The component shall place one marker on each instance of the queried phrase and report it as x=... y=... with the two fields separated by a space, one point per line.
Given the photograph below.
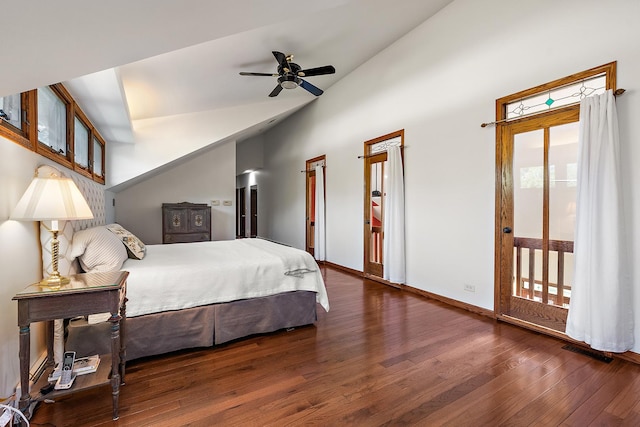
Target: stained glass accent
x=556 y=98
x=382 y=146
x=313 y=165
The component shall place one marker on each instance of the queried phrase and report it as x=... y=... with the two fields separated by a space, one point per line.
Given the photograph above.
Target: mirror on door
x=377 y=202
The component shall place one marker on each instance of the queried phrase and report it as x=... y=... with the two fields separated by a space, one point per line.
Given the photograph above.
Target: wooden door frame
x=369 y=269
x=372 y=269
x=503 y=259
x=241 y=212
x=309 y=172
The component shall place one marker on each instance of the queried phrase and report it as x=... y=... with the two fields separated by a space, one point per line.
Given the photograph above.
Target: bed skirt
x=160 y=333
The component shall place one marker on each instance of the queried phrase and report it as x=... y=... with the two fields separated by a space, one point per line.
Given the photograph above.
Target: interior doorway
x=375 y=163
x=241 y=213
x=254 y=211
x=310 y=210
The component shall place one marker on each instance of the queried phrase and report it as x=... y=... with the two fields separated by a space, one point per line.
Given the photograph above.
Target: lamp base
x=54 y=281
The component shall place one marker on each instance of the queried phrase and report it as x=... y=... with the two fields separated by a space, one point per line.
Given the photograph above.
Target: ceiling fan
x=290 y=75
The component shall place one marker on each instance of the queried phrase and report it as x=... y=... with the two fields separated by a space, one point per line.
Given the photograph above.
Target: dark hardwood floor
x=379 y=357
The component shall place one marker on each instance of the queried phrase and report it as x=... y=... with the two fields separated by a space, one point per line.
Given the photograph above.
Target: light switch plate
x=227 y=202
x=215 y=203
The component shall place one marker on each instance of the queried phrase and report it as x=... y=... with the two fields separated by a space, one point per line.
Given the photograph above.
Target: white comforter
x=184 y=275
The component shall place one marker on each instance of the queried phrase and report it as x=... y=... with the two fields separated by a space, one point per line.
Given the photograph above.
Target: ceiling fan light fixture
x=287 y=84
x=289 y=81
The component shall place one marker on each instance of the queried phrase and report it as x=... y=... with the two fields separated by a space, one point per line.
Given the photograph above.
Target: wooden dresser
x=186 y=222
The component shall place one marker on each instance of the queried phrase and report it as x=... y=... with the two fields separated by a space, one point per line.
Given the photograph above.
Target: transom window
x=48 y=121
x=556 y=97
x=52 y=120
x=11 y=110
x=98 y=159
x=381 y=147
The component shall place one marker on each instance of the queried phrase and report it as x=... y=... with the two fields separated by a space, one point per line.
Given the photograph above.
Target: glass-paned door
x=310 y=211
x=375 y=191
x=539 y=188
x=375 y=167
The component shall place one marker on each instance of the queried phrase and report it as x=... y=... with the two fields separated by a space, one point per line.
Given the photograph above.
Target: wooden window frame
x=27 y=136
x=78 y=114
x=22 y=136
x=46 y=151
x=98 y=178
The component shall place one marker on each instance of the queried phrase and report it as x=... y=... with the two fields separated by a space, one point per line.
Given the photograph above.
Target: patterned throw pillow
x=135 y=247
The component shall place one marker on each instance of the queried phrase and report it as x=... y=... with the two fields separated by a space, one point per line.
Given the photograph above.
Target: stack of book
x=81 y=366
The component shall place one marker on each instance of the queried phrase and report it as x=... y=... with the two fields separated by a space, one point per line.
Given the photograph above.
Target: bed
x=189 y=295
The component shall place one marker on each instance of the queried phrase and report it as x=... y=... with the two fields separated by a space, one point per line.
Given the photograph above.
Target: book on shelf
x=81 y=366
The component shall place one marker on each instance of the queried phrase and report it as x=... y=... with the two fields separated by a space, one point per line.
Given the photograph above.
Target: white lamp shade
x=52 y=198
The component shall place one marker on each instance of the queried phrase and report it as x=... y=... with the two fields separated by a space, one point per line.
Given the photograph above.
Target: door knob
x=506 y=230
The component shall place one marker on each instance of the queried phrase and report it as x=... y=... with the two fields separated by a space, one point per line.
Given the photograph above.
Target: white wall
x=159 y=141
x=209 y=176
x=439 y=83
x=20 y=259
x=250 y=154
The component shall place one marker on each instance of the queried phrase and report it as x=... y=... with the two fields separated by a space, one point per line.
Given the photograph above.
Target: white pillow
x=98 y=249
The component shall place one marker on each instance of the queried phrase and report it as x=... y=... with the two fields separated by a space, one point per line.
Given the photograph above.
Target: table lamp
x=52 y=197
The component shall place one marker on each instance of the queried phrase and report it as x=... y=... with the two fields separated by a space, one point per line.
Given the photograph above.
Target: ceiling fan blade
x=275 y=91
x=246 y=73
x=282 y=59
x=311 y=88
x=327 y=69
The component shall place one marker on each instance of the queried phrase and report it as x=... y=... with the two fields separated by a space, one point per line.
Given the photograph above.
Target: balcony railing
x=558 y=293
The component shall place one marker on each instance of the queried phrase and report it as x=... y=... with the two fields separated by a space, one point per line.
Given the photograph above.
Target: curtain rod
x=402 y=147
x=312 y=170
x=616 y=93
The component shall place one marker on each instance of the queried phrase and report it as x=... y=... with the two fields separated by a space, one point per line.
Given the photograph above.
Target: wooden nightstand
x=86 y=294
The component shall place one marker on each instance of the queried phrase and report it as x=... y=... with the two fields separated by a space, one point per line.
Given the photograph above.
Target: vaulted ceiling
x=150 y=72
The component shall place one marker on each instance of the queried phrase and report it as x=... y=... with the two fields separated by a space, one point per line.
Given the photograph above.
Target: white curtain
x=393 y=246
x=600 y=311
x=319 y=228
